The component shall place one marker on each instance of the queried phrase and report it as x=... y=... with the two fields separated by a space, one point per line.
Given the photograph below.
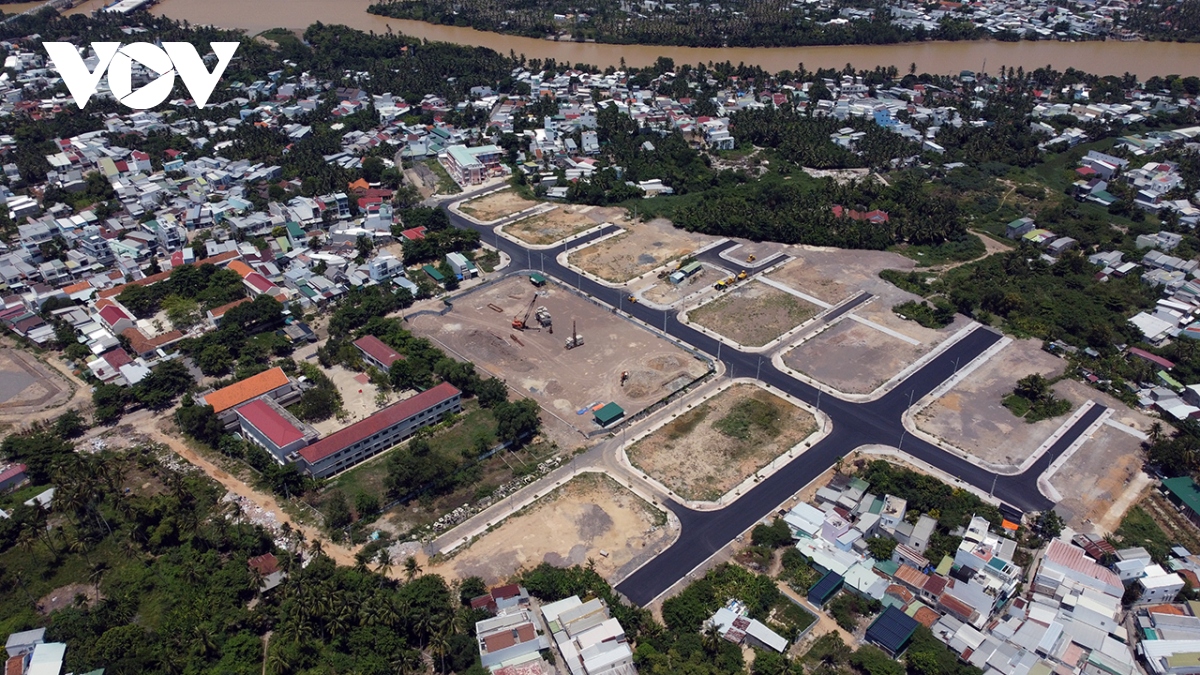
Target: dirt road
x=340 y=554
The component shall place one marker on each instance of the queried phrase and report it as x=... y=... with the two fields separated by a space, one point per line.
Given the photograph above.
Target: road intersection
x=853 y=424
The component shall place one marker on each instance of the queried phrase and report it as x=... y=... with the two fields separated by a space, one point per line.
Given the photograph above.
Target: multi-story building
x=386 y=428
x=470 y=166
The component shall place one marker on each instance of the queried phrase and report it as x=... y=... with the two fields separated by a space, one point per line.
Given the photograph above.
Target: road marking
x=788 y=289
x=884 y=329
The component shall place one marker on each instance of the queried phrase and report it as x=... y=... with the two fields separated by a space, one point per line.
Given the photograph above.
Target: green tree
x=214 y=359
x=881 y=548
x=516 y=420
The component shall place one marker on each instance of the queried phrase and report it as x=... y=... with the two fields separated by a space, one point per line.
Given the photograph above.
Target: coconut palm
x=412 y=568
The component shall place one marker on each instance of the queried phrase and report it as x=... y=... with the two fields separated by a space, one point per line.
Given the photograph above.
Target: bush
x=938 y=315
x=775 y=535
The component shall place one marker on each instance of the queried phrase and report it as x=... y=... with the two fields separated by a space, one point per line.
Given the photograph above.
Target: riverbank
x=1107 y=58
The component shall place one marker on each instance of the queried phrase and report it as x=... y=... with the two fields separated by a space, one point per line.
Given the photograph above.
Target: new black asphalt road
x=877 y=422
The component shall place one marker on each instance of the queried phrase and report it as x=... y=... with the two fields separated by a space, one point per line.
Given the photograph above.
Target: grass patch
x=487 y=260
x=446 y=184
x=686 y=423
x=914 y=282
x=1139 y=529
x=748 y=416
x=1019 y=405
x=969 y=247
x=938 y=315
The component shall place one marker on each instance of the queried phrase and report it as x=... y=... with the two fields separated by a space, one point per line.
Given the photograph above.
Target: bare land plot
x=853 y=358
x=552 y=226
x=971 y=416
x=833 y=275
x=707 y=451
x=496 y=205
x=359 y=399
x=569 y=526
x=536 y=363
x=639 y=249
x=754 y=314
x=1096 y=476
x=27 y=386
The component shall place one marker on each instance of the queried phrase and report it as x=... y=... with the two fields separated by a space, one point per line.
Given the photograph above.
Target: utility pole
x=759 y=371
x=995 y=476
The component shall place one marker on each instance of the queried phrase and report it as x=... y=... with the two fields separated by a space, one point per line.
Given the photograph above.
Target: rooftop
x=274 y=426
x=376 y=349
x=378 y=422
x=251 y=387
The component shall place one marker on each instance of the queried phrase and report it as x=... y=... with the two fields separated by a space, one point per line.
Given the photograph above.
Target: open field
x=562 y=222
x=496 y=205
x=1096 y=476
x=852 y=357
x=639 y=249
x=970 y=415
x=833 y=275
x=754 y=314
x=706 y=451
x=570 y=526
x=536 y=363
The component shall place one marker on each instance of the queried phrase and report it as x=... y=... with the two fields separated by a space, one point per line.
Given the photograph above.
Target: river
x=1110 y=58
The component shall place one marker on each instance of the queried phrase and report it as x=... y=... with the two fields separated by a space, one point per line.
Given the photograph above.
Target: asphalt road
x=854 y=424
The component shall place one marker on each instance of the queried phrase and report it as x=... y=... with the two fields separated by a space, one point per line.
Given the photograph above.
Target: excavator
x=520 y=323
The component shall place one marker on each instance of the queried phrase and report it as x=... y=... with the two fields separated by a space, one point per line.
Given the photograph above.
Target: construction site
x=570 y=354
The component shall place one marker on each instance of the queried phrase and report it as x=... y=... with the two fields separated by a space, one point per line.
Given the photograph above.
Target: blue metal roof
x=892 y=630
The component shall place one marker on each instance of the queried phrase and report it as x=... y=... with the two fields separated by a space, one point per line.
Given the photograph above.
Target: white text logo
x=167 y=60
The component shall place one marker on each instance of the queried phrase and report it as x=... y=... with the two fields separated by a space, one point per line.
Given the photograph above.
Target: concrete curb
x=1043 y=481
x=825 y=426
x=562 y=259
x=882 y=389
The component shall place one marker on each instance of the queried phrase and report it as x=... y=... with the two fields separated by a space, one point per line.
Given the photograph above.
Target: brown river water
x=1109 y=58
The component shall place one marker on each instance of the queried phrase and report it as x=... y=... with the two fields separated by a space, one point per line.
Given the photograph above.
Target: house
x=20 y=644
x=376 y=353
x=502 y=598
x=892 y=630
x=512 y=637
x=1159 y=585
x=12 y=476
x=733 y=625
x=47 y=659
x=1018 y=228
x=825 y=588
x=893 y=512
x=589 y=640
x=1183 y=493
x=463 y=268
x=383 y=430
x=267 y=567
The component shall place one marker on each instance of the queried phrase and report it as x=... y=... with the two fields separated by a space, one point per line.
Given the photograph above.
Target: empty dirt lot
x=31 y=391
x=562 y=222
x=852 y=357
x=569 y=526
x=537 y=364
x=754 y=314
x=639 y=249
x=832 y=275
x=496 y=205
x=1097 y=475
x=706 y=451
x=970 y=416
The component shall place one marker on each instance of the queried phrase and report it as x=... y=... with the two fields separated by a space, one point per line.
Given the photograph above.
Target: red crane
x=520 y=323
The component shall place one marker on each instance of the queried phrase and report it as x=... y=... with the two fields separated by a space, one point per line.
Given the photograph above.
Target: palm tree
x=96 y=573
x=412 y=568
x=384 y=559
x=711 y=639
x=1156 y=432
x=439 y=645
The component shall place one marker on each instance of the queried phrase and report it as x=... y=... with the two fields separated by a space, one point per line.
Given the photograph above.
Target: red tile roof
x=1152 y=358
x=265 y=564
x=272 y=425
x=116 y=357
x=259 y=282
x=251 y=387
x=955 y=606
x=381 y=420
x=14 y=470
x=112 y=314
x=144 y=345
x=220 y=311
x=926 y=617
x=376 y=349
